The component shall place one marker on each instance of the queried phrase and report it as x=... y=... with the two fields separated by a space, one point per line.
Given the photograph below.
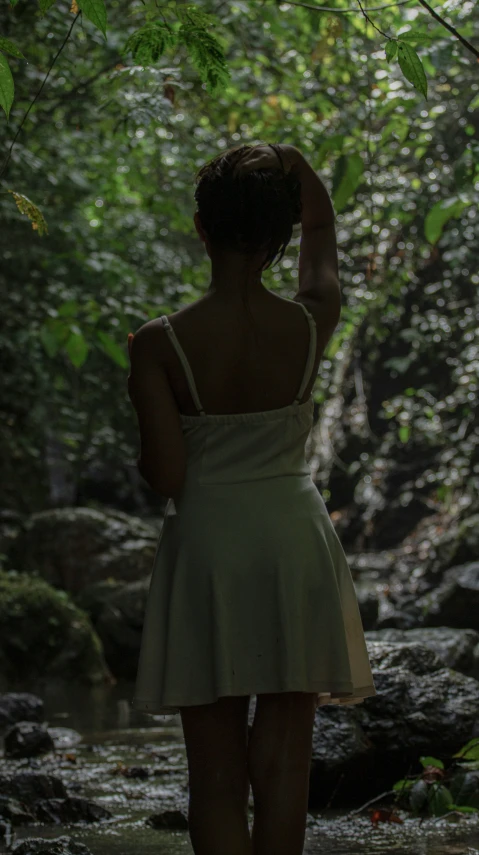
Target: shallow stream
x=114 y=736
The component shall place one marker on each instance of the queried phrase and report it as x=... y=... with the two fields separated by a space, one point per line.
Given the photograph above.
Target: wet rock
x=366 y=563
x=458 y=648
x=120 y=627
x=368 y=606
x=27 y=739
x=20 y=706
x=70 y=809
x=94 y=597
x=458 y=545
x=65 y=737
x=409 y=655
x=13 y=811
x=58 y=846
x=43 y=632
x=74 y=547
x=455 y=601
x=29 y=787
x=422 y=708
x=175 y=820
x=136 y=772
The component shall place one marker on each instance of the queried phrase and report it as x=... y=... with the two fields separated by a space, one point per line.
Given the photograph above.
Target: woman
x=251 y=594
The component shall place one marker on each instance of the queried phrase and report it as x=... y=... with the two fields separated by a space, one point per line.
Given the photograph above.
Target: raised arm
x=318 y=254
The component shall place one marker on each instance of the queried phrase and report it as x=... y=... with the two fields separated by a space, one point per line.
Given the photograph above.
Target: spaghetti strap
x=186 y=365
x=311 y=354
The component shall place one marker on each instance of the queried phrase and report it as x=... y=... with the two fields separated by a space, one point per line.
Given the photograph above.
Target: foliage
x=114 y=182
x=436 y=792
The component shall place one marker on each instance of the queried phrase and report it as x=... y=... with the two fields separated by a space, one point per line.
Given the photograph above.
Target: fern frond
x=207 y=54
x=149 y=42
x=192 y=16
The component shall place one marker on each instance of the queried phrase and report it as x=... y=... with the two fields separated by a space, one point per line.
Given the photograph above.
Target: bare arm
x=318 y=255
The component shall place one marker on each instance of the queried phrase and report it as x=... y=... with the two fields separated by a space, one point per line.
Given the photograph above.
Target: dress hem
x=325 y=697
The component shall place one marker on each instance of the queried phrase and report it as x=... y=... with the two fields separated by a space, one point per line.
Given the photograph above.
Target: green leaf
x=27 y=207
x=95 y=11
x=70 y=307
x=347 y=176
x=149 y=42
x=464 y=808
x=112 y=349
x=404 y=433
x=411 y=67
x=462 y=787
x=6 y=85
x=440 y=214
x=469 y=751
x=431 y=761
x=418 y=796
x=49 y=340
x=8 y=47
x=439 y=799
x=45 y=6
x=410 y=36
x=77 y=349
x=403 y=784
x=206 y=54
x=13 y=3
x=391 y=49
x=399 y=363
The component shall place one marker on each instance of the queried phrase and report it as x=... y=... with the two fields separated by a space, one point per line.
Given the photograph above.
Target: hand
x=265 y=157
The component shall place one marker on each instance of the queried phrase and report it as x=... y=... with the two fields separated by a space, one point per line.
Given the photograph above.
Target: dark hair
x=249 y=212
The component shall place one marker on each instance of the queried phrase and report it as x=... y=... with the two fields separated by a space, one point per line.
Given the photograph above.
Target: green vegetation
x=43 y=633
x=112 y=107
x=436 y=792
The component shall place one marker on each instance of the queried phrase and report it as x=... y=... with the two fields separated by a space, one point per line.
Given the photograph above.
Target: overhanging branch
x=450 y=28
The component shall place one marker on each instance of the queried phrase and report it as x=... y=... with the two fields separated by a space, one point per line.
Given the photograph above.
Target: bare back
x=234 y=372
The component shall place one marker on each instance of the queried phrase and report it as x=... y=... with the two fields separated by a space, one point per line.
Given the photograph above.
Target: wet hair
x=251 y=212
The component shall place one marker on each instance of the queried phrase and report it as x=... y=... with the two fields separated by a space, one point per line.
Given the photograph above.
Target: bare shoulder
x=149 y=339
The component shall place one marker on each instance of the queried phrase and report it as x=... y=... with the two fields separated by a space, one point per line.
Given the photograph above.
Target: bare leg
x=216 y=738
x=279 y=758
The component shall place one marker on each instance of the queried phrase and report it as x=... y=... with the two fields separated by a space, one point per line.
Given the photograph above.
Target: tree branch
x=388 y=6
x=368 y=19
x=7 y=159
x=345 y=11
x=450 y=28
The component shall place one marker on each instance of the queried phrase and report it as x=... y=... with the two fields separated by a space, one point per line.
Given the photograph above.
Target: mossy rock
x=43 y=632
x=75 y=547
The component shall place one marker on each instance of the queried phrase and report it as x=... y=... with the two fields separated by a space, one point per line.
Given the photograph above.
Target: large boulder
x=120 y=626
x=458 y=648
x=74 y=547
x=27 y=739
x=46 y=798
x=58 y=846
x=421 y=708
x=458 y=544
x=43 y=632
x=94 y=597
x=30 y=787
x=71 y=809
x=20 y=706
